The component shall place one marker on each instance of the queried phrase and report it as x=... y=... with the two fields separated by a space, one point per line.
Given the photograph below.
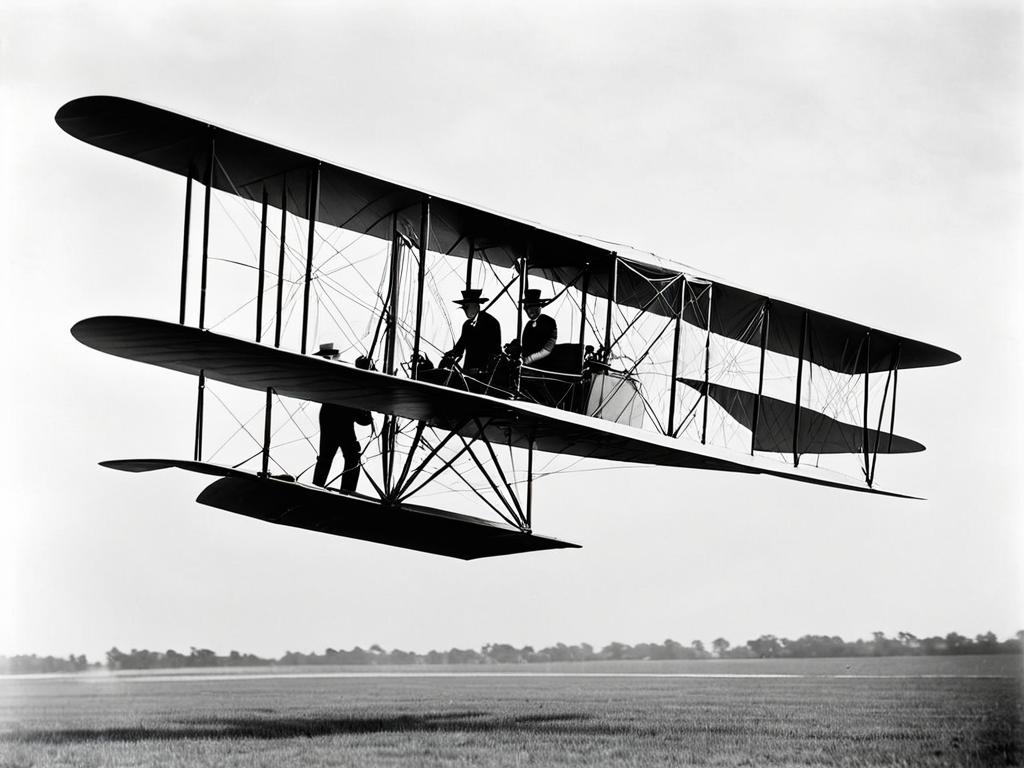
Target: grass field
x=923 y=711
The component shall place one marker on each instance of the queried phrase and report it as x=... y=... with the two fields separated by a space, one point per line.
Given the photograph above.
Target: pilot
x=540 y=334
x=337 y=430
x=481 y=334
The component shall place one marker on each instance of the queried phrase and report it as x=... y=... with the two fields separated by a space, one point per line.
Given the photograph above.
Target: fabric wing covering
x=817 y=434
x=361 y=203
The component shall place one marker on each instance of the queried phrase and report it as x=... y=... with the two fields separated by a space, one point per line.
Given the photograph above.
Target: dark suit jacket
x=480 y=341
x=538 y=334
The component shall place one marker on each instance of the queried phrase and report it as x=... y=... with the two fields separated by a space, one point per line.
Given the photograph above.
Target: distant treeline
x=24 y=665
x=766 y=646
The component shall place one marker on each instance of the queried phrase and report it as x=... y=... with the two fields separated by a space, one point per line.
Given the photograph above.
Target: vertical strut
x=420 y=276
x=387 y=453
x=206 y=237
x=613 y=276
x=878 y=430
x=263 y=263
x=583 y=309
x=895 y=381
x=278 y=306
x=765 y=317
x=524 y=267
x=198 y=451
x=280 y=261
x=202 y=299
x=391 y=329
x=184 y=247
x=469 y=263
x=799 y=384
x=259 y=324
x=529 y=486
x=867 y=376
x=408 y=457
x=387 y=432
x=312 y=204
x=707 y=369
x=266 y=434
x=675 y=362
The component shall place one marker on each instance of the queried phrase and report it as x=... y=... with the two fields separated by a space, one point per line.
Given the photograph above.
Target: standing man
x=481 y=334
x=337 y=430
x=540 y=334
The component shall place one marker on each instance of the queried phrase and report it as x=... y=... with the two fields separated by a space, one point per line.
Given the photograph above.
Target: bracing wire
x=333 y=295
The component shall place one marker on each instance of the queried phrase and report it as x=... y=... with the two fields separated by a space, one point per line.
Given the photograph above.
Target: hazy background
x=864 y=159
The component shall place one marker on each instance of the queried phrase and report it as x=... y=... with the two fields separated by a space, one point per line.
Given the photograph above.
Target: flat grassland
x=963 y=711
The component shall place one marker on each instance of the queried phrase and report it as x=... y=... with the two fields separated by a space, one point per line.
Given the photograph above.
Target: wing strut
x=198 y=453
x=206 y=234
x=613 y=277
x=675 y=364
x=529 y=485
x=417 y=439
x=895 y=381
x=261 y=280
x=469 y=263
x=583 y=311
x=404 y=492
x=389 y=428
x=765 y=319
x=267 y=409
x=878 y=429
x=420 y=277
x=280 y=262
x=893 y=375
x=516 y=517
x=261 y=284
x=501 y=472
x=799 y=384
x=707 y=370
x=184 y=248
x=867 y=376
x=312 y=203
x=391 y=327
x=523 y=266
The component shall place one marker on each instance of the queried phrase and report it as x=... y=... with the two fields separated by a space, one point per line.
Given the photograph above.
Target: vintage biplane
x=658 y=364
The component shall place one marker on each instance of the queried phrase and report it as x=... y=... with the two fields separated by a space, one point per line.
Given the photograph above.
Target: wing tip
x=84 y=106
x=134 y=465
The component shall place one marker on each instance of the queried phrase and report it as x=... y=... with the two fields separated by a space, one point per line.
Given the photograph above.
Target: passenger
x=337 y=430
x=481 y=335
x=540 y=334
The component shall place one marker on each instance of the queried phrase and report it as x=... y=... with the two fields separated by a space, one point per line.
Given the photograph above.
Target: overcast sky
x=864 y=159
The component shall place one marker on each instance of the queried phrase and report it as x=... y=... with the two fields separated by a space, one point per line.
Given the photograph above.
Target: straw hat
x=327 y=350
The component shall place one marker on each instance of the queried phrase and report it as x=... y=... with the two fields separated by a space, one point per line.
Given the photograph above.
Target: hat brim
x=481 y=300
x=328 y=353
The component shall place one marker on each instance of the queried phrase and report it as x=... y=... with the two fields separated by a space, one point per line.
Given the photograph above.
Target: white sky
x=864 y=159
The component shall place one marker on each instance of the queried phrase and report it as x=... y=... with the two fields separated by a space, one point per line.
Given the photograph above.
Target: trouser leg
x=350 y=476
x=324 y=460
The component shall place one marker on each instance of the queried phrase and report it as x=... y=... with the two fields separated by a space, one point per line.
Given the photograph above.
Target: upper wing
x=359 y=202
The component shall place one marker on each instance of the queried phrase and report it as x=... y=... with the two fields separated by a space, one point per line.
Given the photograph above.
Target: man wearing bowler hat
x=338 y=430
x=481 y=333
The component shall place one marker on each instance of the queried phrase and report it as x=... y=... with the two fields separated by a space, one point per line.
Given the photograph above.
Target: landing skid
x=409 y=526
